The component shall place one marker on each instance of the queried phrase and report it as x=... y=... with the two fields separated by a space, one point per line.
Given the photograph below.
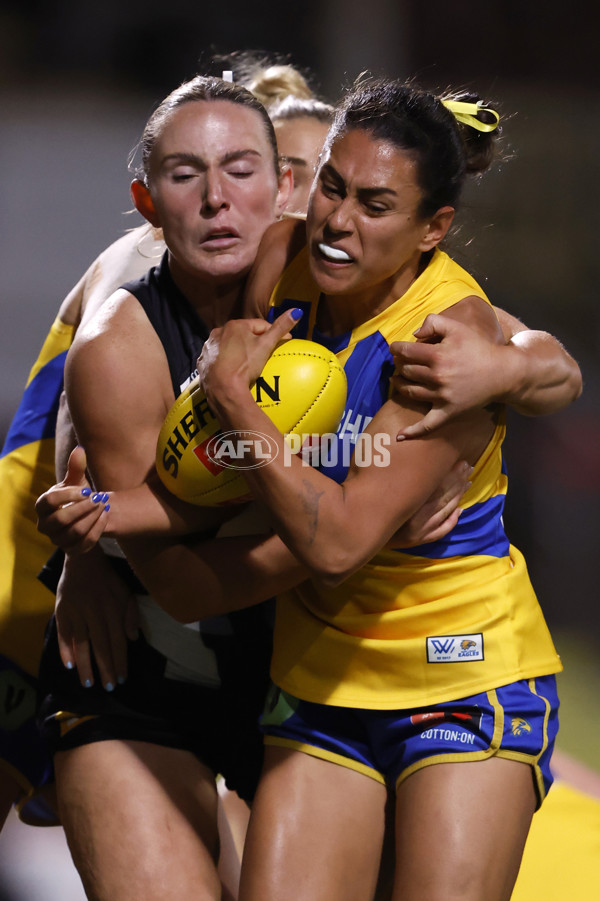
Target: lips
x=220 y=237
x=334 y=254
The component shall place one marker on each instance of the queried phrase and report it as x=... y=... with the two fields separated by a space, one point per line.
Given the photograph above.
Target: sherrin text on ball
x=302 y=389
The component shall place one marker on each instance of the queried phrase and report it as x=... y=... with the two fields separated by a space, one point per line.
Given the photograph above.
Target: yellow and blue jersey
x=427 y=624
x=26 y=471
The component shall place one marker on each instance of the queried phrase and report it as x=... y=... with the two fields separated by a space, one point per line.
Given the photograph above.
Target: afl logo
x=467 y=643
x=229 y=450
x=519 y=726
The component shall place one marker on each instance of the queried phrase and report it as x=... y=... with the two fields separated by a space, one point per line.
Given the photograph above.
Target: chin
x=331 y=282
x=225 y=261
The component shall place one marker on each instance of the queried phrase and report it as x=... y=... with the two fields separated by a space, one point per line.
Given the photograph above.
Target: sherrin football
x=302 y=389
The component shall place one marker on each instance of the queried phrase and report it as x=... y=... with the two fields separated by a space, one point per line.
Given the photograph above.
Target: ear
x=143 y=202
x=437 y=228
x=284 y=190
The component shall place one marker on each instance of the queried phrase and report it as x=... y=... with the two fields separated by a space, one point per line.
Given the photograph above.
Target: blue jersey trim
x=300 y=330
x=368 y=370
x=334 y=343
x=35 y=418
x=479 y=531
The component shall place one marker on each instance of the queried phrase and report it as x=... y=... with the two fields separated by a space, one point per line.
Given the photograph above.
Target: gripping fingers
x=436 y=417
x=414 y=389
x=451 y=490
x=448 y=522
x=440 y=513
x=417 y=375
x=76 y=525
x=443 y=504
x=85 y=534
x=56 y=498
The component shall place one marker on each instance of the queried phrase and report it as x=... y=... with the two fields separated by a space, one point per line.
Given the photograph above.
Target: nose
x=339 y=220
x=213 y=194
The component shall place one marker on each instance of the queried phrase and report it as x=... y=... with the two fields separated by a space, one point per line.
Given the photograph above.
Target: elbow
x=333 y=567
x=573 y=381
x=331 y=580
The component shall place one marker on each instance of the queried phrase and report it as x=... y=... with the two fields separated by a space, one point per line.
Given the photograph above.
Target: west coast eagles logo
x=455 y=648
x=519 y=726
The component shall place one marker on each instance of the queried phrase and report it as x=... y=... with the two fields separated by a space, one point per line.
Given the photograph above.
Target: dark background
x=78 y=80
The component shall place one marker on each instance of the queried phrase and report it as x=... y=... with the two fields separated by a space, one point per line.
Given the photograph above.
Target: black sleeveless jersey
x=225 y=716
x=180 y=329
x=243 y=639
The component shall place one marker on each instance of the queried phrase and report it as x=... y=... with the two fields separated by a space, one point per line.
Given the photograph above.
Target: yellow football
x=302 y=389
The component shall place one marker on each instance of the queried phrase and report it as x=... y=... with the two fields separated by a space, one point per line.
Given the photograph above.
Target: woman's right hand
x=71 y=512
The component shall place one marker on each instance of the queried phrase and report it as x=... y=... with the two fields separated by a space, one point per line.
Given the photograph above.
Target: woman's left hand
x=235 y=355
x=440 y=512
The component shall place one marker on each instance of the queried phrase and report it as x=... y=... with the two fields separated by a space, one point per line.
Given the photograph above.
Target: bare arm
x=194 y=578
x=119 y=431
x=546 y=377
x=320 y=520
x=454 y=368
x=111 y=611
x=95 y=610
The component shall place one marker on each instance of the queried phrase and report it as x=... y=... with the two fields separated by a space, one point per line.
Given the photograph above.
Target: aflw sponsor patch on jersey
x=455 y=648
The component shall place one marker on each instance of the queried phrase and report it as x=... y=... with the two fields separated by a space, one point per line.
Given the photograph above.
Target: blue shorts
x=24 y=754
x=517 y=721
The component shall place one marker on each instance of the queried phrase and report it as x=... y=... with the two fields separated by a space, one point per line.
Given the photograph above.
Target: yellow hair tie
x=467 y=114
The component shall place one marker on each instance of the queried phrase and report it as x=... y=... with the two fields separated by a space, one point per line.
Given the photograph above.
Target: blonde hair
x=292 y=107
x=272 y=83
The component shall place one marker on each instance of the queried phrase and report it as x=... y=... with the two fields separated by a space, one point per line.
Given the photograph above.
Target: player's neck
x=215 y=300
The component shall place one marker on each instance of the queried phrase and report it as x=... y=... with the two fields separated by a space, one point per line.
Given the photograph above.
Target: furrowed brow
x=238 y=155
x=369 y=193
x=330 y=170
x=184 y=159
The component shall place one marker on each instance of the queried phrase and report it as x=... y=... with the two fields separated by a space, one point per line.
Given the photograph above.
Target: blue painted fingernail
x=87 y=683
x=296 y=313
x=107 y=508
x=86 y=492
x=104 y=497
x=109 y=687
x=69 y=664
x=96 y=497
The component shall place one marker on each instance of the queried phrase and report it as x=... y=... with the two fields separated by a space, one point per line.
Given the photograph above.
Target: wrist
x=228 y=397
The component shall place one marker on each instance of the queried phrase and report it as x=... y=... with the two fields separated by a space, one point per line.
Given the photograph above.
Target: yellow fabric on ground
x=562 y=856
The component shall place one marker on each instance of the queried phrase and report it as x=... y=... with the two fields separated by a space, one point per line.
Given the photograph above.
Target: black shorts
x=218 y=725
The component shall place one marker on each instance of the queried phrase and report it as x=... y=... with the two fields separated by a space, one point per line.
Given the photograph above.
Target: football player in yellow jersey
x=355 y=880
x=427 y=672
